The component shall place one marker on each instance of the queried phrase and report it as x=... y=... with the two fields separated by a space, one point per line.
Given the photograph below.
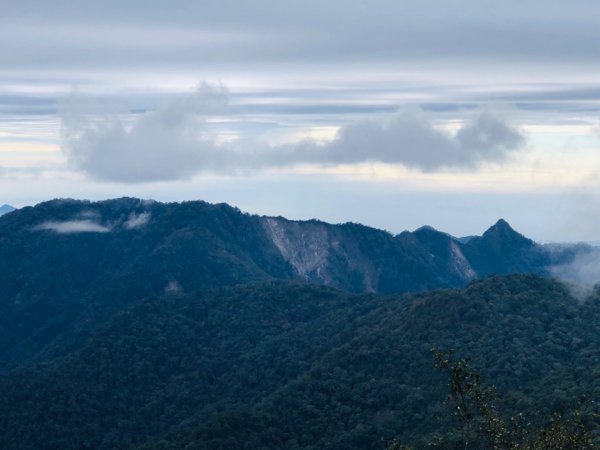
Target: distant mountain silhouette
x=501 y=250
x=6 y=209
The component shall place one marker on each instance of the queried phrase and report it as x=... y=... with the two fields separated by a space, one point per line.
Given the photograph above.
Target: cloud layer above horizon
x=376 y=103
x=175 y=142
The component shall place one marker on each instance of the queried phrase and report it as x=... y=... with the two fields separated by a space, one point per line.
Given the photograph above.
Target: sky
x=394 y=114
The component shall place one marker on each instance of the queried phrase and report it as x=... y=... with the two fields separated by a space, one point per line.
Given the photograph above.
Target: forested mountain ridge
x=197 y=244
x=137 y=324
x=66 y=259
x=282 y=365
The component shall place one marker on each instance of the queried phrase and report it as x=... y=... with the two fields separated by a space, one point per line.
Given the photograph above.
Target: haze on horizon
x=393 y=114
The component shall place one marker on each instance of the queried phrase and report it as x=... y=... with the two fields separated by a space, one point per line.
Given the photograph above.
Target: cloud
x=169 y=143
x=411 y=140
x=582 y=272
x=174 y=142
x=407 y=138
x=137 y=220
x=118 y=35
x=73 y=226
x=583 y=269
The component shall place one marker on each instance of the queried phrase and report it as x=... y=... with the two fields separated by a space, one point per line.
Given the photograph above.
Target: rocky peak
x=502 y=231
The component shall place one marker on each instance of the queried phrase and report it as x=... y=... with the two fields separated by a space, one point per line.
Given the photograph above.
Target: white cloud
x=173 y=143
x=137 y=220
x=582 y=272
x=583 y=269
x=411 y=140
x=73 y=226
x=166 y=144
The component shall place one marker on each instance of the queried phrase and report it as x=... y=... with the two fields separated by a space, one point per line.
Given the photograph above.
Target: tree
x=482 y=426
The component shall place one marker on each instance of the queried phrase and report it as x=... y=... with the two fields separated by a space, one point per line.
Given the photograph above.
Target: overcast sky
x=390 y=113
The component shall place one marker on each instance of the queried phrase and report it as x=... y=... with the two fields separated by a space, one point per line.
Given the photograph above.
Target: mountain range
x=63 y=257
x=137 y=324
x=197 y=244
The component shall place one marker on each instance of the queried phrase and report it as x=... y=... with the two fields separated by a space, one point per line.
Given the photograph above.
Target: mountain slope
x=501 y=250
x=65 y=263
x=357 y=258
x=381 y=382
x=197 y=244
x=298 y=366
x=50 y=274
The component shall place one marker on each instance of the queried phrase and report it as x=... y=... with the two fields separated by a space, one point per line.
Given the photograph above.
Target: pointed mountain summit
x=501 y=226
x=502 y=250
x=502 y=231
x=426 y=228
x=4 y=209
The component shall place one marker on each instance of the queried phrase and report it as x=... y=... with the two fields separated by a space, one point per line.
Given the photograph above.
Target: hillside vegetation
x=282 y=365
x=135 y=324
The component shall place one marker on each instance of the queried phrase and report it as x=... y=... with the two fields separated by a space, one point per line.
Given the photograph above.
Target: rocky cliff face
x=363 y=259
x=306 y=246
x=459 y=264
x=321 y=253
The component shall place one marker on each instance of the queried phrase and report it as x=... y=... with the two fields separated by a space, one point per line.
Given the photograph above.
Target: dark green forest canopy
x=135 y=324
x=285 y=365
